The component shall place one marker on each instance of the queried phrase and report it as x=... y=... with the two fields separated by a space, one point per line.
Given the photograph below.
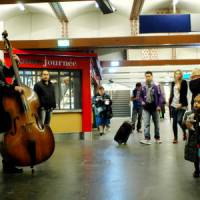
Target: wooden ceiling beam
x=136 y=9
x=37 y=1
x=135 y=63
x=114 y=42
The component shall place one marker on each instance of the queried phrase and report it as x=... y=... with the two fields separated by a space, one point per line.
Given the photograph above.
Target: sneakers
x=158 y=141
x=146 y=141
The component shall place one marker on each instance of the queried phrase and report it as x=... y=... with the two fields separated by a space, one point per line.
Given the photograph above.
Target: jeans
x=177 y=119
x=147 y=121
x=137 y=115
x=45 y=116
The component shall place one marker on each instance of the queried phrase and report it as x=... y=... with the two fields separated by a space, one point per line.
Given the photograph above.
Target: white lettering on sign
x=59 y=63
x=49 y=63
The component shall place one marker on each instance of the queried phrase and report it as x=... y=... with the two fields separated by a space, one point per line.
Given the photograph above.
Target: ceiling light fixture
x=21 y=6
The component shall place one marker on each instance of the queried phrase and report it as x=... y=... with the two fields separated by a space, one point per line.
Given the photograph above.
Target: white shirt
x=176 y=98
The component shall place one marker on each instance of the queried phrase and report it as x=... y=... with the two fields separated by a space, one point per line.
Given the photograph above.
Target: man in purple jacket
x=152 y=100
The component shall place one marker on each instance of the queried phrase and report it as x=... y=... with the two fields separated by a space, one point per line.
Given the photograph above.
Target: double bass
x=27 y=142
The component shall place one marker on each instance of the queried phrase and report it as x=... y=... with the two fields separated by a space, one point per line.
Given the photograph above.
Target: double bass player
x=6 y=89
x=25 y=142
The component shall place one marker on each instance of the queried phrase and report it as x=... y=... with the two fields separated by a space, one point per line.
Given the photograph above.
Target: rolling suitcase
x=123 y=133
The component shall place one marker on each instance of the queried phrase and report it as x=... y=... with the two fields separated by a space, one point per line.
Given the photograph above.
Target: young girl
x=178 y=103
x=192 y=147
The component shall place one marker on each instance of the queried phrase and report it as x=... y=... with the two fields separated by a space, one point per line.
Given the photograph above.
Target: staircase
x=120 y=103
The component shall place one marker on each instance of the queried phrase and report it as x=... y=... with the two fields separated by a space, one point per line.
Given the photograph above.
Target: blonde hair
x=180 y=71
x=198 y=96
x=179 y=81
x=195 y=74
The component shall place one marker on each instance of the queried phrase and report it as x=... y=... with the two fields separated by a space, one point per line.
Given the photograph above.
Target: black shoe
x=101 y=134
x=9 y=168
x=119 y=142
x=13 y=170
x=196 y=174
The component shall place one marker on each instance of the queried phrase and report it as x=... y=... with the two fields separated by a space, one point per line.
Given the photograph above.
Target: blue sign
x=165 y=23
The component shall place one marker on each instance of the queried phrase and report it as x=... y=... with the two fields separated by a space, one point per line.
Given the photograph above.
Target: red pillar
x=86 y=100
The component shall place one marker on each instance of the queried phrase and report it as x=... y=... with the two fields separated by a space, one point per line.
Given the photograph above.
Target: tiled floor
x=98 y=169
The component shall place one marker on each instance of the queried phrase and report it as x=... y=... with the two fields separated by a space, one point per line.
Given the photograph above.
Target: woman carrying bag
x=103 y=110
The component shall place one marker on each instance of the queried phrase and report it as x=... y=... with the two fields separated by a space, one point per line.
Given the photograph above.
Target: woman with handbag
x=103 y=110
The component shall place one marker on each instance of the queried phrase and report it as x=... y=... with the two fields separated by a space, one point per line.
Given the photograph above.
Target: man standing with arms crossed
x=46 y=93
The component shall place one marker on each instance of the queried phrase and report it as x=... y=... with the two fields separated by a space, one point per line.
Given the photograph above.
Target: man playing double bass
x=6 y=89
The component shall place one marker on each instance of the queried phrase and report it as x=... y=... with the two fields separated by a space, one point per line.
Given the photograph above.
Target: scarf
x=149 y=88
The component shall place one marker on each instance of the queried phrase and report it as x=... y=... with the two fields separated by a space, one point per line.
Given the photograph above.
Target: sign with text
x=49 y=62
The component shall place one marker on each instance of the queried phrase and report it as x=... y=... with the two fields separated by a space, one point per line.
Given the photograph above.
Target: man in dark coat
x=46 y=93
x=6 y=89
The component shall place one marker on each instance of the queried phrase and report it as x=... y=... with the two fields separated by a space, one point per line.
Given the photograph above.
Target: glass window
x=67 y=86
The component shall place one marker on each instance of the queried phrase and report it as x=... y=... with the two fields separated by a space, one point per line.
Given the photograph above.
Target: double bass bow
x=27 y=142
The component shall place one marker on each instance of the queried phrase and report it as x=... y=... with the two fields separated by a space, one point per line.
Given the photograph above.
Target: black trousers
x=177 y=115
x=137 y=116
x=196 y=165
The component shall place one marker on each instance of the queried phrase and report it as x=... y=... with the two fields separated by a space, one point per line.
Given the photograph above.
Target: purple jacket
x=157 y=94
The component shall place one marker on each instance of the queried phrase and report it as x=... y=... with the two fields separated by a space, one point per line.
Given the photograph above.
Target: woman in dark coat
x=103 y=110
x=178 y=103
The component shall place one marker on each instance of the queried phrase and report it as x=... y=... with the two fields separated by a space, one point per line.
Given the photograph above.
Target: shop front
x=72 y=74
